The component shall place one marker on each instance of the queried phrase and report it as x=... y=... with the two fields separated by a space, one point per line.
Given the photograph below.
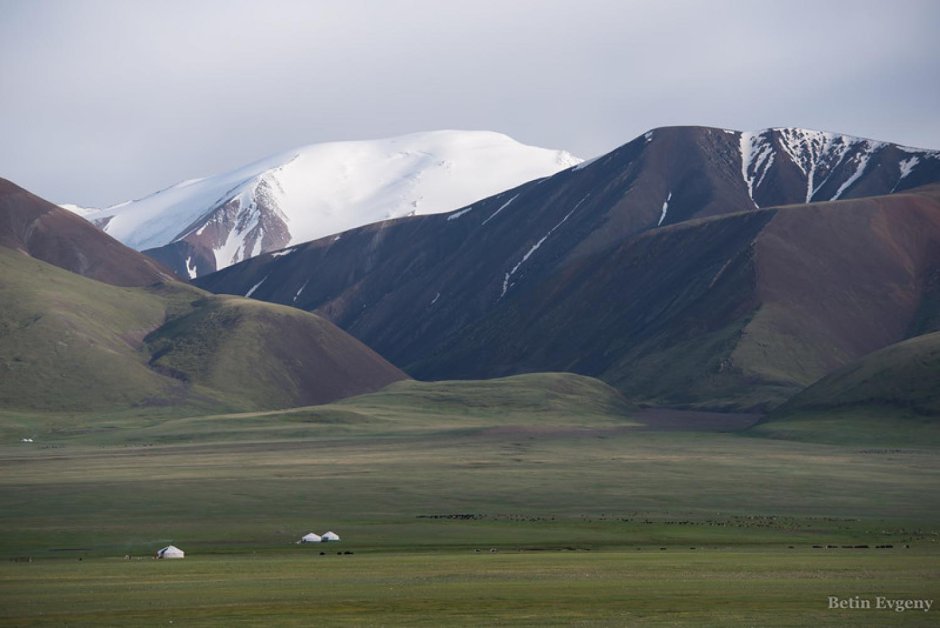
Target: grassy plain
x=539 y=499
x=612 y=587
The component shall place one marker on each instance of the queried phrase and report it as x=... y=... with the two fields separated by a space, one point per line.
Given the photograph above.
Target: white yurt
x=170 y=551
x=330 y=536
x=310 y=538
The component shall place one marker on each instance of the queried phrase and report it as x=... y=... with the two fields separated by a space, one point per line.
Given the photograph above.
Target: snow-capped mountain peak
x=828 y=163
x=321 y=189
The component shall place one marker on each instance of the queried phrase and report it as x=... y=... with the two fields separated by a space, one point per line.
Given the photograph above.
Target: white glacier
x=328 y=188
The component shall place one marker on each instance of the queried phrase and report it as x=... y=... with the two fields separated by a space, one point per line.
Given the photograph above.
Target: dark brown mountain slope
x=735 y=311
x=49 y=233
x=731 y=311
x=617 y=261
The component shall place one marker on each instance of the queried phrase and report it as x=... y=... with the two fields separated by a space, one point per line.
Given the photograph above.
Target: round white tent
x=310 y=538
x=170 y=552
x=330 y=536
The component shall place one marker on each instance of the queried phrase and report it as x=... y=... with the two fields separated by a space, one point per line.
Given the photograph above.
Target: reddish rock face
x=49 y=233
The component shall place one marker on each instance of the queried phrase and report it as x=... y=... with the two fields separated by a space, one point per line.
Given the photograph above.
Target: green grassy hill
x=889 y=396
x=258 y=355
x=69 y=344
x=532 y=398
x=539 y=401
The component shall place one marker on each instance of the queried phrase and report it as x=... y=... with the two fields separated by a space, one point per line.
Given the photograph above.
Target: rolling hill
x=72 y=343
x=888 y=395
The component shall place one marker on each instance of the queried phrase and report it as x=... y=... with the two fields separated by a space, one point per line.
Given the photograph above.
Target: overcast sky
x=104 y=101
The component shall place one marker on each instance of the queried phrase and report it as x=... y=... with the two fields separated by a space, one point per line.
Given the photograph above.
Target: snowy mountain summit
x=828 y=164
x=208 y=224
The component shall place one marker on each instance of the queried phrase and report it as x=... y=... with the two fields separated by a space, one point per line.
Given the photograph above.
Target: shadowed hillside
x=736 y=312
x=674 y=268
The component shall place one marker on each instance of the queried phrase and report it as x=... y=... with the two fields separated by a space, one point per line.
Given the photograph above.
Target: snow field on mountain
x=327 y=188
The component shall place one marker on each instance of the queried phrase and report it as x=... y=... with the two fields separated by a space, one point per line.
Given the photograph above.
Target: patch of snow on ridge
x=535 y=247
x=256 y=249
x=665 y=209
x=818 y=151
x=756 y=158
x=191 y=271
x=501 y=208
x=299 y=291
x=457 y=215
x=924 y=152
x=794 y=142
x=256 y=286
x=821 y=157
x=862 y=161
x=284 y=252
x=907 y=165
x=233 y=250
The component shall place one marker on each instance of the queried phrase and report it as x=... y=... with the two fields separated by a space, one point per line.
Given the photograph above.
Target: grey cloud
x=109 y=100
